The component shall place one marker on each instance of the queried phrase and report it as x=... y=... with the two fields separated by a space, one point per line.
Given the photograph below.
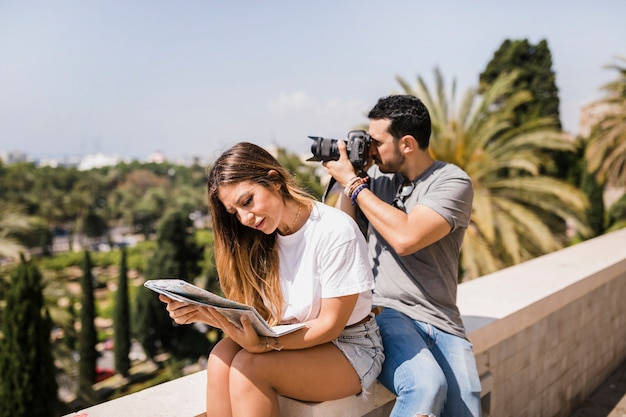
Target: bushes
x=137 y=258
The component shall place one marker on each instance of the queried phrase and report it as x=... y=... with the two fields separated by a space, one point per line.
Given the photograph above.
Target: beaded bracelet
x=276 y=345
x=356 y=192
x=349 y=184
x=354 y=185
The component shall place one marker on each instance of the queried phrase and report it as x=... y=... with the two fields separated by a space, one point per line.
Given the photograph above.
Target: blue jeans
x=431 y=372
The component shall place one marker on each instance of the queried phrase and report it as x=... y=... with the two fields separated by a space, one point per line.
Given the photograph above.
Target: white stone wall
x=546 y=333
x=549 y=331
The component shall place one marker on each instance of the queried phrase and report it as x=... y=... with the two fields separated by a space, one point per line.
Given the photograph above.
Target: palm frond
x=517 y=213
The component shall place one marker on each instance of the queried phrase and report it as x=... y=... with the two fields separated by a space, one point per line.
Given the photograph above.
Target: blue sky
x=191 y=77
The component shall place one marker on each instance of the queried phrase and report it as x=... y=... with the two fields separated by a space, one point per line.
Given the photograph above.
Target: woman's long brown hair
x=247 y=259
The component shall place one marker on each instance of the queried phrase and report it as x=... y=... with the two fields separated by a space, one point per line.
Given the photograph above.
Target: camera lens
x=324 y=149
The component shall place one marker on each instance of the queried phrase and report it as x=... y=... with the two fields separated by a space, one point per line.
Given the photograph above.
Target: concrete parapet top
x=546 y=282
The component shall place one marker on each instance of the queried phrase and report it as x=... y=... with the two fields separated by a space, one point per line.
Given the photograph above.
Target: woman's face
x=254 y=205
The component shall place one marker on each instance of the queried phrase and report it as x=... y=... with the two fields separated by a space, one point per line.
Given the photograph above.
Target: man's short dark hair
x=408 y=116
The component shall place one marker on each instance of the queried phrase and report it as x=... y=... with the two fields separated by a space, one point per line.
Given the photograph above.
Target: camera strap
x=361 y=220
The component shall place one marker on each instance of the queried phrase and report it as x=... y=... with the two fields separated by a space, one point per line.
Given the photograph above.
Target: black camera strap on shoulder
x=361 y=220
x=329 y=188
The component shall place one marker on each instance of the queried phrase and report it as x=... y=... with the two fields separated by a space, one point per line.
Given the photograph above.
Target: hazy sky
x=190 y=77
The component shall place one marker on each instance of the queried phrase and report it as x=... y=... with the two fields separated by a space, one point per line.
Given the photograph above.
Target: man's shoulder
x=450 y=169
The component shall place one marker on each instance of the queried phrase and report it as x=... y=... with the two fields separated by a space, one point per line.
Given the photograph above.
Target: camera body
x=357 y=146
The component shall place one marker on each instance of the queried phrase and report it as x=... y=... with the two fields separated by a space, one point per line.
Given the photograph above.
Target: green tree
x=514 y=217
x=121 y=320
x=94 y=225
x=606 y=151
x=595 y=194
x=16 y=184
x=142 y=196
x=616 y=215
x=88 y=337
x=13 y=222
x=304 y=173
x=177 y=256
x=28 y=384
x=533 y=63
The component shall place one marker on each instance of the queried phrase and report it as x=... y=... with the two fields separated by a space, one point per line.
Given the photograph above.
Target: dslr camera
x=357 y=146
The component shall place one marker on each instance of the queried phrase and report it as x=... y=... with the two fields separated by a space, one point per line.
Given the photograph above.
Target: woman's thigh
x=319 y=373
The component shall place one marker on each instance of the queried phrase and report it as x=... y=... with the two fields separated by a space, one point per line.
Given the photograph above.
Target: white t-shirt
x=326 y=258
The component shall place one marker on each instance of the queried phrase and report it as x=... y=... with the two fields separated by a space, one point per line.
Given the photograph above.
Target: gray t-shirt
x=423 y=285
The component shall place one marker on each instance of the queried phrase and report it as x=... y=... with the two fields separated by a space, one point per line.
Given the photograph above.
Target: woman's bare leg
x=218 y=371
x=319 y=373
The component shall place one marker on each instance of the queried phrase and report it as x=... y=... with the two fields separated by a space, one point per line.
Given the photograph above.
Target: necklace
x=289 y=229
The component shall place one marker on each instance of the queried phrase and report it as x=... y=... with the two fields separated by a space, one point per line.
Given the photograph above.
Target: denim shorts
x=363 y=347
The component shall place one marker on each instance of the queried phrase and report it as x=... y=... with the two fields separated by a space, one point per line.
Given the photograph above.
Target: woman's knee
x=222 y=354
x=246 y=363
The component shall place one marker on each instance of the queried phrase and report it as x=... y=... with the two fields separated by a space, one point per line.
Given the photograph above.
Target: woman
x=296 y=261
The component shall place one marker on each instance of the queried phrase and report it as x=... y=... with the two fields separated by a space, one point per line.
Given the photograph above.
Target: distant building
x=12 y=157
x=157 y=157
x=98 y=160
x=591 y=114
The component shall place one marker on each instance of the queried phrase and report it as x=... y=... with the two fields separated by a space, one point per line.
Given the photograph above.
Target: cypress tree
x=121 y=320
x=28 y=384
x=595 y=192
x=177 y=256
x=88 y=338
x=534 y=64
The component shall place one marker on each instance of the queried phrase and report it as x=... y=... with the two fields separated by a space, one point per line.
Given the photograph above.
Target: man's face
x=384 y=149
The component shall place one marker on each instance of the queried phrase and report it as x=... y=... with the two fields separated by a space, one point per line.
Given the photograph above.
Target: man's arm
x=406 y=233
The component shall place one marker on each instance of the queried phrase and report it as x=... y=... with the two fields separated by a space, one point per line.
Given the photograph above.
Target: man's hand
x=341 y=170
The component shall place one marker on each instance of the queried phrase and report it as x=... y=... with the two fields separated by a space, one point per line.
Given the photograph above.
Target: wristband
x=276 y=345
x=355 y=184
x=356 y=192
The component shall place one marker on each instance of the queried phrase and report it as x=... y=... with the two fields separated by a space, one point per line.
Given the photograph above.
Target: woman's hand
x=245 y=335
x=186 y=313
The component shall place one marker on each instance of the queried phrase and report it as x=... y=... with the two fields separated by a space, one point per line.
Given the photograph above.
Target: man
x=418 y=210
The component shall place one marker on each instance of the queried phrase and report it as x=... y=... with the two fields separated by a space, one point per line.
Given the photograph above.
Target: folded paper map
x=180 y=290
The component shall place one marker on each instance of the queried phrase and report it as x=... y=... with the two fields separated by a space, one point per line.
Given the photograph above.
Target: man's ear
x=408 y=143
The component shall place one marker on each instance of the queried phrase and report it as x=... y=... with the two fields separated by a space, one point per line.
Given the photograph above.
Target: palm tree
x=13 y=221
x=606 y=150
x=519 y=212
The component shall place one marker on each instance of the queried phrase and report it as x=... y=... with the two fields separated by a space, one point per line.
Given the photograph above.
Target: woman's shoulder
x=334 y=220
x=326 y=211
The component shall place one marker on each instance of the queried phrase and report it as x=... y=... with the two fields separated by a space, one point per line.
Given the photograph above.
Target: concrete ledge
x=345 y=407
x=181 y=397
x=185 y=396
x=498 y=306
x=545 y=334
